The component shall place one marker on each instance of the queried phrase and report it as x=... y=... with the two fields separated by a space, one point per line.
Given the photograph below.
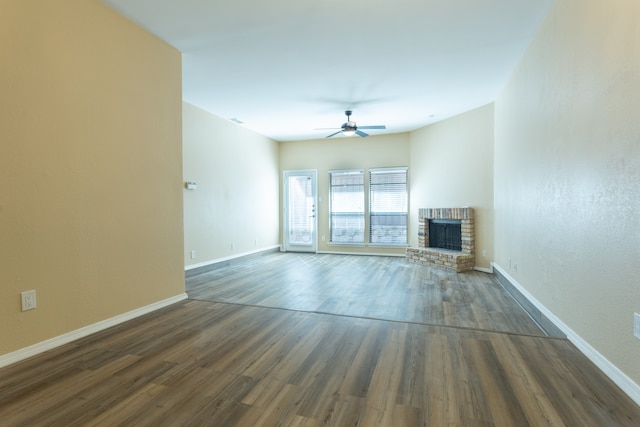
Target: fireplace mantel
x=457 y=261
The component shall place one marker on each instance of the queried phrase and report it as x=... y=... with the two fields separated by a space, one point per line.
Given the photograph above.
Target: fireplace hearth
x=437 y=229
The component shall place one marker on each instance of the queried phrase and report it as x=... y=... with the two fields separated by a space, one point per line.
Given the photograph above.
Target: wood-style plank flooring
x=236 y=363
x=385 y=288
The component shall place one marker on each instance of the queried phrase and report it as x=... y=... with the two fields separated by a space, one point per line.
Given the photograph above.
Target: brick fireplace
x=458 y=261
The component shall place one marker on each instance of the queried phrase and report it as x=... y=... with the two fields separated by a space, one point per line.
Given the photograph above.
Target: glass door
x=300 y=219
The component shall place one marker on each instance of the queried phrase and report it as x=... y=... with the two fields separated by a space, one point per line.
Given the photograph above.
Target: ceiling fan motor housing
x=349 y=126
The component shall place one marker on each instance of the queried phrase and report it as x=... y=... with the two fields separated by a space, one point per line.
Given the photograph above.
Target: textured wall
x=567 y=173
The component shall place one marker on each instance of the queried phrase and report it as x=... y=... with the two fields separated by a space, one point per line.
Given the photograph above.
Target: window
x=388 y=207
x=346 y=206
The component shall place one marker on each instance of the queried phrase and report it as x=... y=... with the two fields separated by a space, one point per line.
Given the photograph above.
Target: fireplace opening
x=445 y=234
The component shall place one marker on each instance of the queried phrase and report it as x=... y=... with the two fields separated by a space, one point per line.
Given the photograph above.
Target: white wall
x=452 y=166
x=567 y=173
x=237 y=197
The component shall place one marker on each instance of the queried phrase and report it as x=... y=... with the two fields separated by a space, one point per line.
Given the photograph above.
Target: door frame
x=286 y=246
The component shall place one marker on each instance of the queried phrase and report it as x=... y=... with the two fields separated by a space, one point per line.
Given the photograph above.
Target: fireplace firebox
x=445 y=234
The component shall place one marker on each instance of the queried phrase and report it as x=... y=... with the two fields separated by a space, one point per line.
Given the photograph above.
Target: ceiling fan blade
x=372 y=127
x=329 y=136
x=362 y=134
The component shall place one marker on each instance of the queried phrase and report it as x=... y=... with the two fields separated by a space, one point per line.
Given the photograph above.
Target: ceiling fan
x=349 y=128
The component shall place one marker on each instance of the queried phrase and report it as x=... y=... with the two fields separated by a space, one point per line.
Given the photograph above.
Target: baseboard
x=360 y=253
x=484 y=270
x=626 y=384
x=41 y=347
x=202 y=267
x=529 y=304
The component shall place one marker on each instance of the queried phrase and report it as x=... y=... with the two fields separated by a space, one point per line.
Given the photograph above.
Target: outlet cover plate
x=636 y=325
x=28 y=299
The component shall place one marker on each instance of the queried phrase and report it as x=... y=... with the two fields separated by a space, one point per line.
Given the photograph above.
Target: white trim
x=387 y=245
x=41 y=347
x=360 y=253
x=347 y=171
x=484 y=270
x=609 y=369
x=389 y=169
x=217 y=260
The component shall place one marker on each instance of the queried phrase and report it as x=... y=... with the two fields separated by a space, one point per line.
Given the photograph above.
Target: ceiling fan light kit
x=350 y=128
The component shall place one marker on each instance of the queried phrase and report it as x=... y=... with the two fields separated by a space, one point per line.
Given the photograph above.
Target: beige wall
x=567 y=173
x=324 y=155
x=236 y=201
x=90 y=168
x=452 y=166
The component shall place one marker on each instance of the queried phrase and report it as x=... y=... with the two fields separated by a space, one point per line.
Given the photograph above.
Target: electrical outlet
x=484 y=252
x=636 y=325
x=233 y=246
x=193 y=254
x=28 y=299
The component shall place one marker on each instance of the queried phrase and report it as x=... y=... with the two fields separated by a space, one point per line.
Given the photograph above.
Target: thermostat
x=191 y=185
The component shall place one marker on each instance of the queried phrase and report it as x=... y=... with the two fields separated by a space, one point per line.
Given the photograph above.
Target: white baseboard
x=609 y=369
x=360 y=253
x=228 y=258
x=484 y=270
x=41 y=347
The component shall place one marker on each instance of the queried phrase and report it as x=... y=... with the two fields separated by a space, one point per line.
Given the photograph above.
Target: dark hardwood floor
x=310 y=340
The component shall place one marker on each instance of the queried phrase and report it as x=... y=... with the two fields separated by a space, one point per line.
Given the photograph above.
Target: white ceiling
x=287 y=67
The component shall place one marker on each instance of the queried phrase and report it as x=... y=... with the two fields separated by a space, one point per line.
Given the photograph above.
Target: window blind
x=388 y=206
x=346 y=206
